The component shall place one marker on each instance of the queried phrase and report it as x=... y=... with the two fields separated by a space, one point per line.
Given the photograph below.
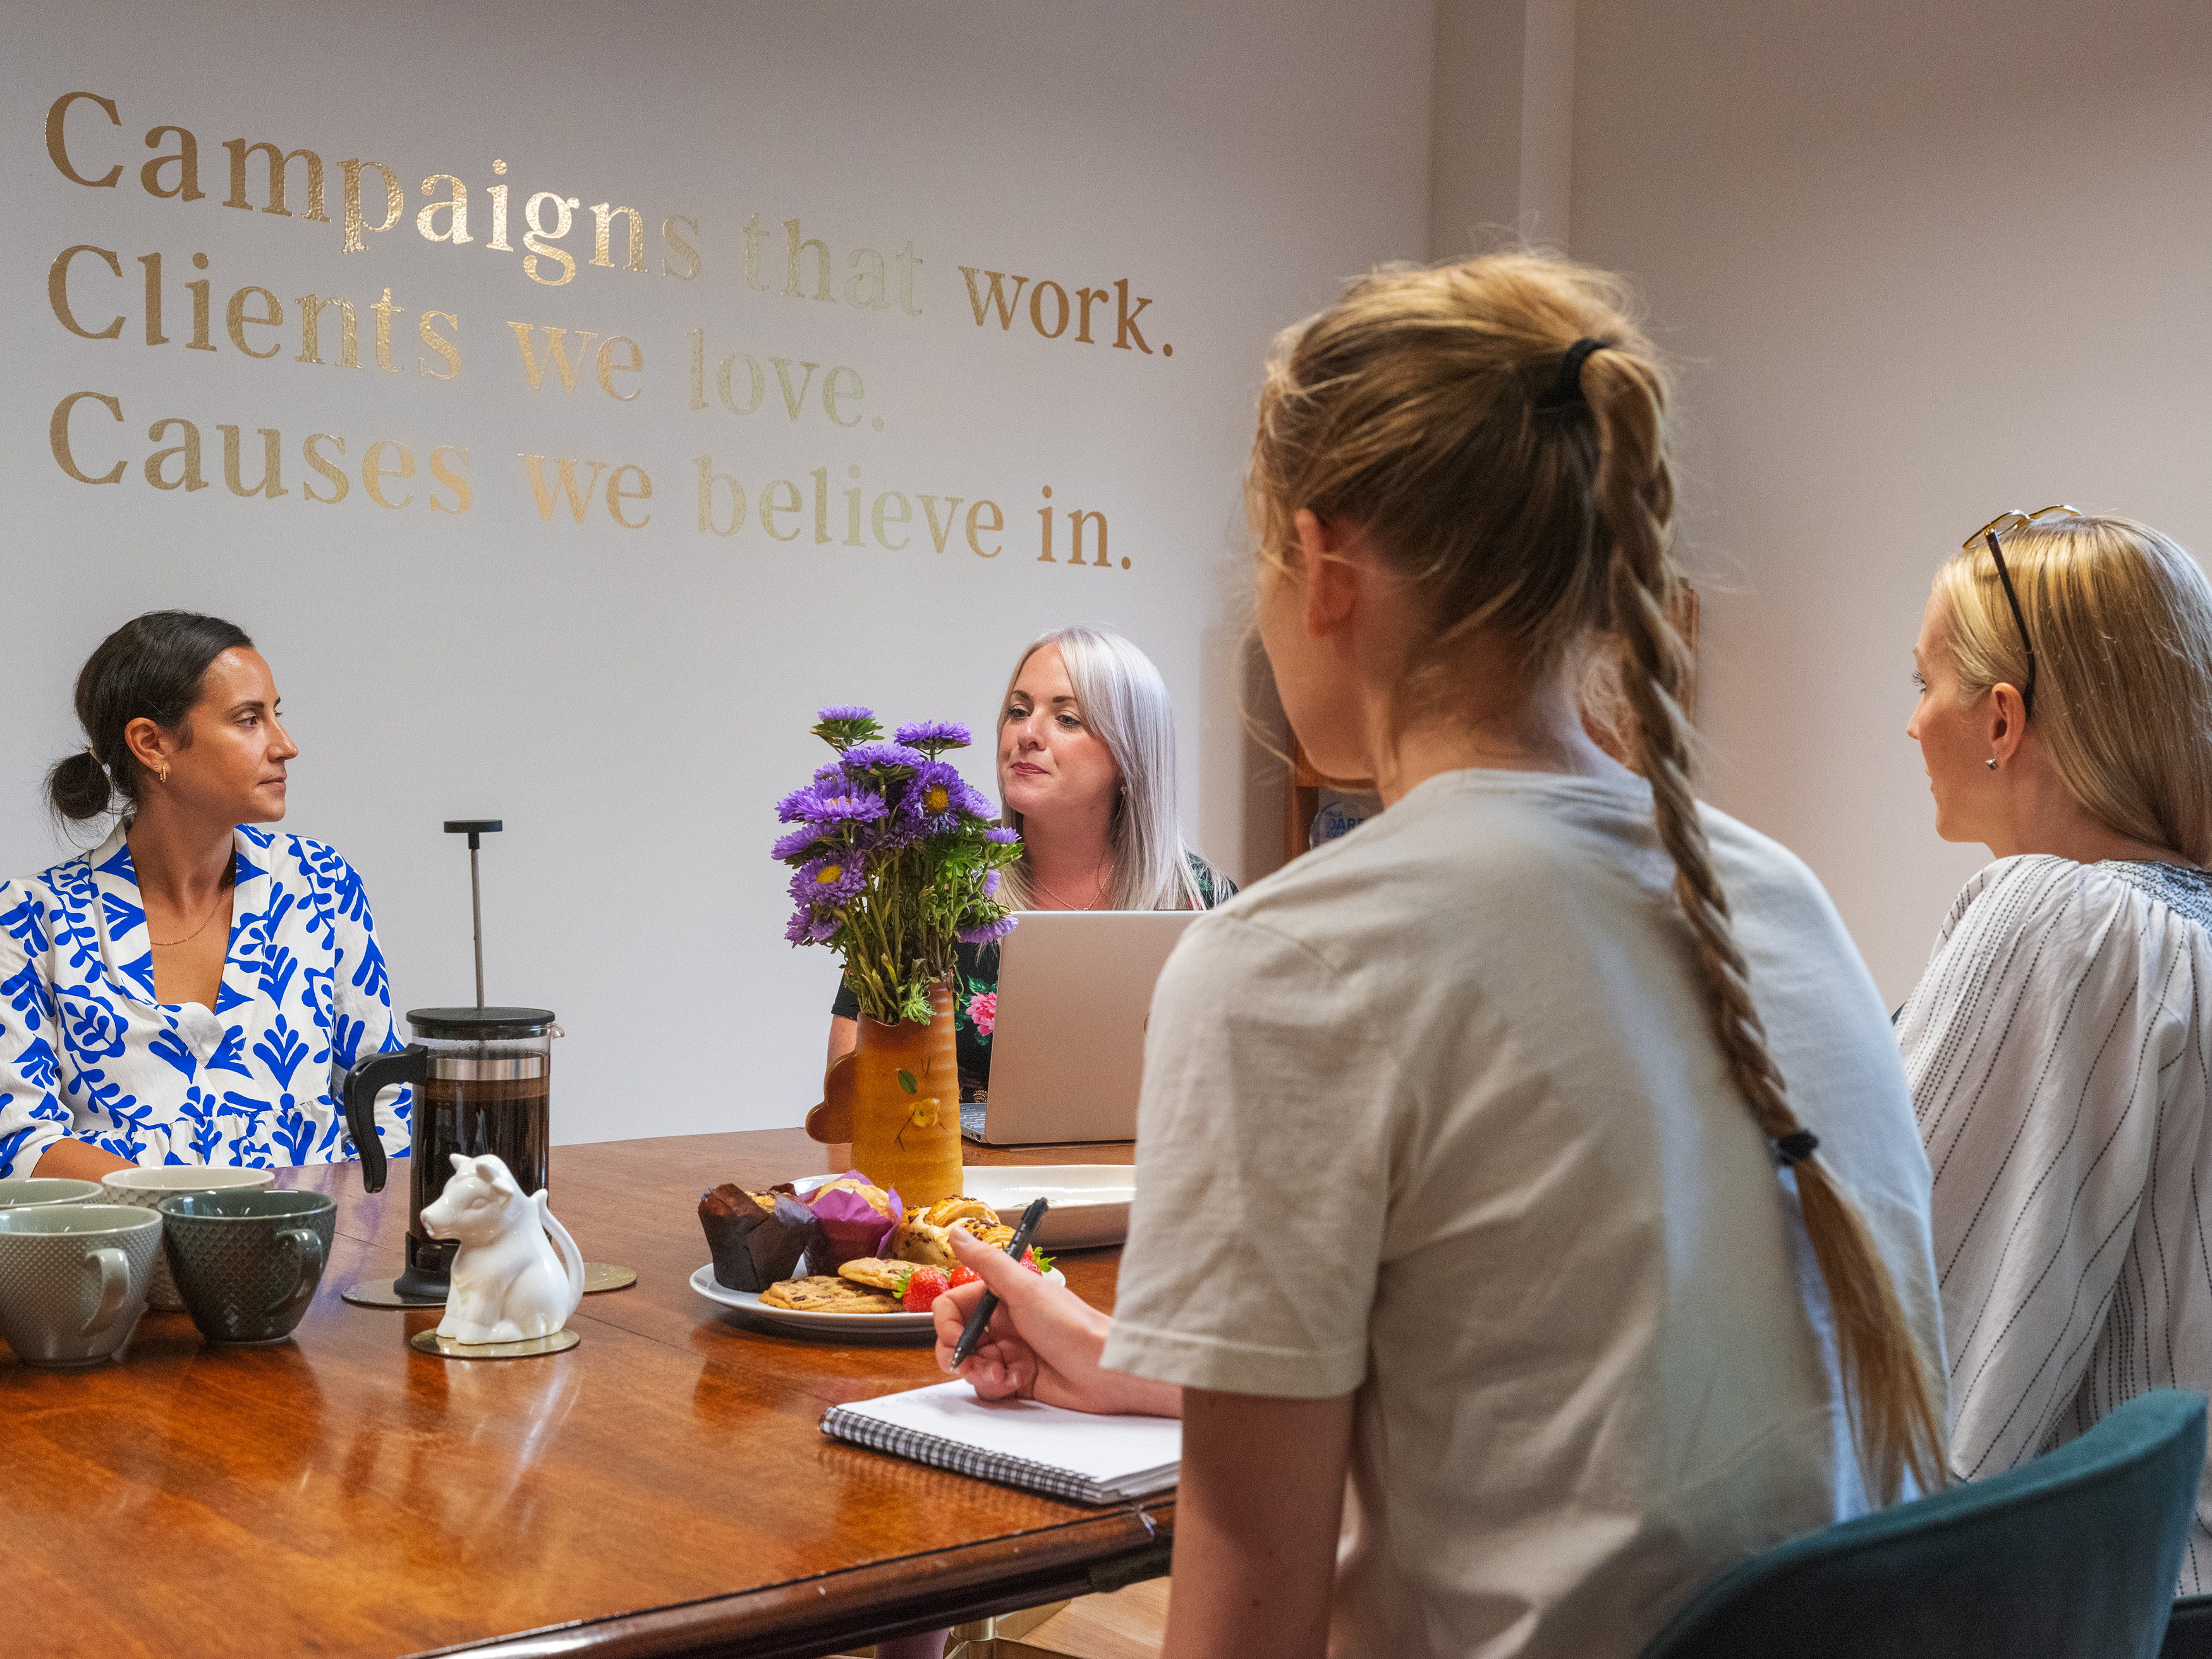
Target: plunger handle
x=472 y=828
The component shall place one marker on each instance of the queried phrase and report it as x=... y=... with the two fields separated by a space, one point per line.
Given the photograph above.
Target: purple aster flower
x=934 y=795
x=1006 y=835
x=797 y=842
x=881 y=757
x=985 y=933
x=857 y=807
x=844 y=724
x=829 y=882
x=933 y=735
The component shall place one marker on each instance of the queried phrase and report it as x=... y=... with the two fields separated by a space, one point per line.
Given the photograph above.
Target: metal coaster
x=378 y=1293
x=445 y=1347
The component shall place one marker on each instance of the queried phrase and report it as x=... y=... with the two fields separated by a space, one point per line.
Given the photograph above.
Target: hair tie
x=1566 y=393
x=1797 y=1145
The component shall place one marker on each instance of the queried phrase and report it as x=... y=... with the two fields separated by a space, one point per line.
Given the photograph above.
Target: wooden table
x=662 y=1488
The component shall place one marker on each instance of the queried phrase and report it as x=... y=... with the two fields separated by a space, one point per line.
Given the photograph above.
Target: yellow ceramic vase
x=897 y=1098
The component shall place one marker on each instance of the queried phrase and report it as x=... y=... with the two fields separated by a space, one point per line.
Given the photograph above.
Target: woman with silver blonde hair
x=1070 y=685
x=2059 y=1044
x=1086 y=760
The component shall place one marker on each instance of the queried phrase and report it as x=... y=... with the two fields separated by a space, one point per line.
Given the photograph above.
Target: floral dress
x=976 y=990
x=86 y=1050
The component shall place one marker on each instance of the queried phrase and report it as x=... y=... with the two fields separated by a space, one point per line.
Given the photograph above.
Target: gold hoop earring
x=163 y=776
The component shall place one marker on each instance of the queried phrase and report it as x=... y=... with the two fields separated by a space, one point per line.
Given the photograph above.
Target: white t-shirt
x=2060 y=1052
x=1436 y=1115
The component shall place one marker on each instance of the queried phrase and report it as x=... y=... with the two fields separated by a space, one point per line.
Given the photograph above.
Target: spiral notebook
x=1084 y=1458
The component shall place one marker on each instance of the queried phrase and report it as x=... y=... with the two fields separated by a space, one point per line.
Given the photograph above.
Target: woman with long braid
x=1537 y=1156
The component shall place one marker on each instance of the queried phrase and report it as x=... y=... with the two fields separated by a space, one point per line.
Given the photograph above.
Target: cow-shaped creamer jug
x=510 y=1283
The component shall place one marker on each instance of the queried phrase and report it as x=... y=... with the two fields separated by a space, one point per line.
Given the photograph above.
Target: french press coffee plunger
x=481 y=1078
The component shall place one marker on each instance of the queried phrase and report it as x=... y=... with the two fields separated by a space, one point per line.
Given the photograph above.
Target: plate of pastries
x=838 y=1252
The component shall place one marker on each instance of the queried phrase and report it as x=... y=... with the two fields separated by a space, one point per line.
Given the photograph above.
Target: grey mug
x=23 y=1192
x=247 y=1263
x=73 y=1279
x=147 y=1185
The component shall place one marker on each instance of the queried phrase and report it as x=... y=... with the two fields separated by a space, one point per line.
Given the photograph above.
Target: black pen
x=982 y=1317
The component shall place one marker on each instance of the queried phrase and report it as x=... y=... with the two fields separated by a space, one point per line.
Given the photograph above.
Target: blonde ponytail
x=1496 y=427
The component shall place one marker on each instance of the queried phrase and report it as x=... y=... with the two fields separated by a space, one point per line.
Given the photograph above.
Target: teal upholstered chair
x=2073 y=1555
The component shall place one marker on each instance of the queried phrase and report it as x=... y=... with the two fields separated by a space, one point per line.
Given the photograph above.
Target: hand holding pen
x=1042 y=1342
x=1016 y=1248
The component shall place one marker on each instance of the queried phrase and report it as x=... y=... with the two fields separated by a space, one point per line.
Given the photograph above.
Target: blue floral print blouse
x=86 y=1050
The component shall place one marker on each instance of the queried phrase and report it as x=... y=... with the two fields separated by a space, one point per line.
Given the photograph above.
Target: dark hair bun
x=150 y=668
x=77 y=789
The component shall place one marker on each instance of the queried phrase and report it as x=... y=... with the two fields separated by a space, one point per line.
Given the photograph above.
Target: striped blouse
x=2059 y=1047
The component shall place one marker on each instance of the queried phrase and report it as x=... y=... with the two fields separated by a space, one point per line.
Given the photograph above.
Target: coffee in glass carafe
x=481 y=1078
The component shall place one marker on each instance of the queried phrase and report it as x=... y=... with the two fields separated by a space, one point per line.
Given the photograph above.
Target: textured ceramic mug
x=247 y=1263
x=29 y=1192
x=73 y=1279
x=147 y=1185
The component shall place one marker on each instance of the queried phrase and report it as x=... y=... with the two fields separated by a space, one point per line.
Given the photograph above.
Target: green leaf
x=906 y=1082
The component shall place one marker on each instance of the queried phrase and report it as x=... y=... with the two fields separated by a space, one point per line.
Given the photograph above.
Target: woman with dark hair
x=183 y=992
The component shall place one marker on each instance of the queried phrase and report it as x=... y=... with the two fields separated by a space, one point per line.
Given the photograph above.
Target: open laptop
x=1068 y=1044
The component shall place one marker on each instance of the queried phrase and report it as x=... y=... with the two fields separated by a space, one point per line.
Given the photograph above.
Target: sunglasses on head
x=2004 y=525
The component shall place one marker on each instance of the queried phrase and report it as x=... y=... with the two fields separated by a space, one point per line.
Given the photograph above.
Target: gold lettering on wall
x=187 y=159
x=58 y=434
x=234 y=316
x=356 y=222
x=270 y=459
x=539 y=240
x=454 y=481
x=278 y=161
x=188 y=479
x=332 y=472
x=683 y=250
x=449 y=349
x=57 y=292
x=373 y=472
x=56 y=149
x=457 y=204
x=601 y=249
x=311 y=314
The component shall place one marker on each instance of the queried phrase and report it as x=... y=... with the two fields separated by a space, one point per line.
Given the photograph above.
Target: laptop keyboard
x=971 y=1118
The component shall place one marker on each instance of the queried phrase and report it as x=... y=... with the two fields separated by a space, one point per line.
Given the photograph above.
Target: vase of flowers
x=894 y=861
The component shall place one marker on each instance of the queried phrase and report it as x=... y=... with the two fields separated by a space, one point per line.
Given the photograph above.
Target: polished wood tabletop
x=662 y=1488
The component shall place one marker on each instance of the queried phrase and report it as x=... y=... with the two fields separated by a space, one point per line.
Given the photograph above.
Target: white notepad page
x=1108 y=1450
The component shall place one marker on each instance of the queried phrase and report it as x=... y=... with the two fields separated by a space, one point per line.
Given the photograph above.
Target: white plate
x=882 y=1324
x=1090 y=1201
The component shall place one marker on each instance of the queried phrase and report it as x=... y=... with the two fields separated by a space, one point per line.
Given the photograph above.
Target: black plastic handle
x=368 y=1078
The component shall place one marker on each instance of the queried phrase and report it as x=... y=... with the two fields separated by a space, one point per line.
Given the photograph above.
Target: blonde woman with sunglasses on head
x=2060 y=1042
x=1537 y=1156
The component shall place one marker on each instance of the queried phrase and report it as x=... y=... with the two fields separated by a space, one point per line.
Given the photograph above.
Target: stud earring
x=163 y=776
x=1993 y=765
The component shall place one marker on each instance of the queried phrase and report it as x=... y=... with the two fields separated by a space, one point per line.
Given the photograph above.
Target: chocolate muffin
x=756 y=1238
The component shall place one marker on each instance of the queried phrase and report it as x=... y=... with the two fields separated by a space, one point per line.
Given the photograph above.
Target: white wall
x=632 y=702
x=1923 y=264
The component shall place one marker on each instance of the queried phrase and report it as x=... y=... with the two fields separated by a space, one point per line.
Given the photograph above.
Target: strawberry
x=961 y=1276
x=923 y=1286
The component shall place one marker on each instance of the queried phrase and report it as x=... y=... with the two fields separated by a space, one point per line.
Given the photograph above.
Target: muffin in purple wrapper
x=856 y=1217
x=756 y=1238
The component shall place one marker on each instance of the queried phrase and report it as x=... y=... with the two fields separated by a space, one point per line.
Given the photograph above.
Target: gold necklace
x=221 y=899
x=1065 y=905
